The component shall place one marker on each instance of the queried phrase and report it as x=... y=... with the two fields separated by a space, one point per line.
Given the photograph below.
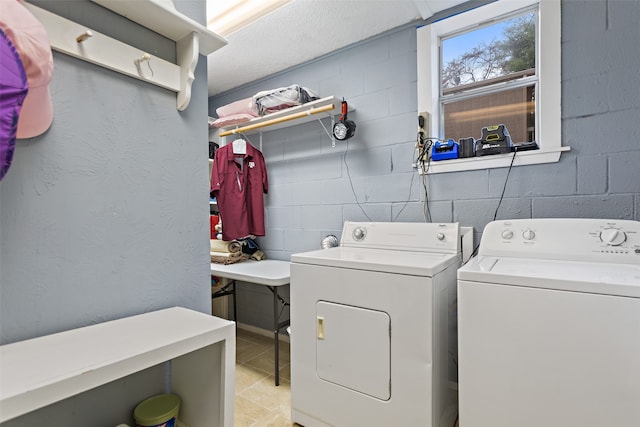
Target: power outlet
x=423 y=135
x=423 y=123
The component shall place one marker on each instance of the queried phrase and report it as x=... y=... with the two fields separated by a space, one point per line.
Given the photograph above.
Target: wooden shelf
x=38 y=372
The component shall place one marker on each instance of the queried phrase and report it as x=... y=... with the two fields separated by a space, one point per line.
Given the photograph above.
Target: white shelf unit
x=201 y=349
x=154 y=15
x=310 y=111
x=83 y=43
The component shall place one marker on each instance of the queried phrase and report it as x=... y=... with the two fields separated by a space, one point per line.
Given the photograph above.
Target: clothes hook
x=145 y=58
x=82 y=37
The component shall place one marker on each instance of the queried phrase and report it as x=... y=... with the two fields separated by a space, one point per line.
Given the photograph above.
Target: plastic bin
x=158 y=411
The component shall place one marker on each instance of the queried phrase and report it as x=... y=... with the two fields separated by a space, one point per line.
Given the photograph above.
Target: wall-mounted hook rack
x=191 y=39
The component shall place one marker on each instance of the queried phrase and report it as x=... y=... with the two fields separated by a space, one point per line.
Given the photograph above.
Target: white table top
x=268 y=272
x=40 y=371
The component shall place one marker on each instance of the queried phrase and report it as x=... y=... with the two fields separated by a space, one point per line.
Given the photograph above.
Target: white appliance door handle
x=320 y=328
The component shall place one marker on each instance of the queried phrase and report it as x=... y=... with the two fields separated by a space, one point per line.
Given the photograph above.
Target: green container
x=156 y=411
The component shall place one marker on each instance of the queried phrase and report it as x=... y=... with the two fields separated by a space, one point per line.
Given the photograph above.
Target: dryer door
x=353 y=348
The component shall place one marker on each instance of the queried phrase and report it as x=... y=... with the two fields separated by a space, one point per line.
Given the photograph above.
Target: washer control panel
x=564 y=238
x=613 y=236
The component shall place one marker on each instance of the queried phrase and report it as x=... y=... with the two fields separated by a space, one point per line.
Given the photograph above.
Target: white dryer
x=373 y=327
x=549 y=325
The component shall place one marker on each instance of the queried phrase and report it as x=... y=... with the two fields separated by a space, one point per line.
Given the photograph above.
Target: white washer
x=373 y=327
x=549 y=325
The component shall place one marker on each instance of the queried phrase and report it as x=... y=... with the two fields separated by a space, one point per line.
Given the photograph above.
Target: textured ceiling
x=306 y=29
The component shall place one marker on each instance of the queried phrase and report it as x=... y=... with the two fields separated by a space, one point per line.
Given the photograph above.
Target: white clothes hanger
x=239 y=146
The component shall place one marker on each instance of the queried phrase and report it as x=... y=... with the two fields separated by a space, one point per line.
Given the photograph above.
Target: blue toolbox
x=444 y=150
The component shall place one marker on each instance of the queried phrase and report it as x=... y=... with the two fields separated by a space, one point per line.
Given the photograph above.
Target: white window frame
x=548 y=89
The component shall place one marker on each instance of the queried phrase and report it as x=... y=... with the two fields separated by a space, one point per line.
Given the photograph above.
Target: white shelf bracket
x=187 y=53
x=330 y=134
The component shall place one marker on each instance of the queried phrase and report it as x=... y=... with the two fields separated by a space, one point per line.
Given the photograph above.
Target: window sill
x=532 y=157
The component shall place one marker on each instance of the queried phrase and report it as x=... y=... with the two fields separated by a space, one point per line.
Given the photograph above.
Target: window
x=497 y=64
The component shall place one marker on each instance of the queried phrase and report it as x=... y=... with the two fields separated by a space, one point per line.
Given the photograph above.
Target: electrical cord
x=495 y=215
x=407 y=201
x=426 y=211
x=425 y=153
x=420 y=144
x=353 y=190
x=473 y=253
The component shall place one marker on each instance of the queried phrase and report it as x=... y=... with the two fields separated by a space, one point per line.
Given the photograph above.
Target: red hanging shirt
x=238 y=181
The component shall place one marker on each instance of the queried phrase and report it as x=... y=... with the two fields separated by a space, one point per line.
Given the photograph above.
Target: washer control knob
x=440 y=236
x=613 y=237
x=359 y=233
x=507 y=234
x=528 y=234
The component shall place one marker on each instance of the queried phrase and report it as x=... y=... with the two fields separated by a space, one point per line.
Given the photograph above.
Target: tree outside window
x=488 y=77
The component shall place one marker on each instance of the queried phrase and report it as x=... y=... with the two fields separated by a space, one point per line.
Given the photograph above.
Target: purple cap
x=13 y=91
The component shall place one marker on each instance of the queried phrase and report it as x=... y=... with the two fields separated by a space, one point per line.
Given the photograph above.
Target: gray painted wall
x=311 y=183
x=104 y=216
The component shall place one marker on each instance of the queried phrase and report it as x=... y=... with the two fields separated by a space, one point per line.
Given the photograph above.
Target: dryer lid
x=425 y=264
x=589 y=277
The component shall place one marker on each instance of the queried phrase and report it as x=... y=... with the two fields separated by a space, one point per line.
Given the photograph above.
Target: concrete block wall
x=314 y=187
x=101 y=216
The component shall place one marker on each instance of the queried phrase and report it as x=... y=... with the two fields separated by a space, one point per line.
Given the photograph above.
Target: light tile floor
x=258 y=402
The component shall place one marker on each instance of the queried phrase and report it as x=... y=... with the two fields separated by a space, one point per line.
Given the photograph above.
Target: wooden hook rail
x=191 y=39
